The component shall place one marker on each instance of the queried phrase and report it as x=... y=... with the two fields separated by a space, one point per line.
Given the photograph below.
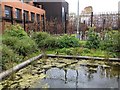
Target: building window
x=26 y=15
x=32 y=17
x=8 y=11
x=38 y=18
x=18 y=13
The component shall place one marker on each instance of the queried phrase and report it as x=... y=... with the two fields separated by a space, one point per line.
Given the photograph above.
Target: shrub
x=16 y=31
x=39 y=36
x=22 y=47
x=107 y=42
x=111 y=42
x=93 y=40
x=67 y=41
x=44 y=40
x=50 y=43
x=8 y=57
x=19 y=41
x=117 y=43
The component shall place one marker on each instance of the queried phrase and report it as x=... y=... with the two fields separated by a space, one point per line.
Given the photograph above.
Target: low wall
x=83 y=57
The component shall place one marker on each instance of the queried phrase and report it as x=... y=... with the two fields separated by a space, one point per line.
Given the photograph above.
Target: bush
x=107 y=42
x=50 y=43
x=39 y=36
x=8 y=57
x=93 y=40
x=44 y=40
x=117 y=44
x=15 y=31
x=67 y=41
x=111 y=42
x=19 y=41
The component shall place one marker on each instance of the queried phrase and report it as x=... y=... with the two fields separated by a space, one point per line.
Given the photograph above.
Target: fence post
x=11 y=17
x=43 y=22
x=91 y=18
x=24 y=20
x=65 y=22
x=104 y=24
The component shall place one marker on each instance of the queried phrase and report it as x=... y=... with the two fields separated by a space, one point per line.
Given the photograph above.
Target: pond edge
x=27 y=62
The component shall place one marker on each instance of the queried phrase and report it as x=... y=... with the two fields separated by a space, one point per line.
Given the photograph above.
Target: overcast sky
x=98 y=5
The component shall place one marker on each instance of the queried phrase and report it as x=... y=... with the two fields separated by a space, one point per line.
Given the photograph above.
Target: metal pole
x=43 y=22
x=65 y=22
x=23 y=14
x=24 y=20
x=78 y=32
x=103 y=24
x=11 y=17
x=91 y=18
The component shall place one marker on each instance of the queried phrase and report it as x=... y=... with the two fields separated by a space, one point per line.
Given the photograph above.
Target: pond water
x=81 y=76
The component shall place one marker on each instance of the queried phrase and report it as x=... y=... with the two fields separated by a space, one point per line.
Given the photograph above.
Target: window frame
x=38 y=16
x=26 y=15
x=32 y=18
x=8 y=9
x=19 y=16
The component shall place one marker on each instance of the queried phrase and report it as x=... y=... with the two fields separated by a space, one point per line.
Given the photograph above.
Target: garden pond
x=66 y=73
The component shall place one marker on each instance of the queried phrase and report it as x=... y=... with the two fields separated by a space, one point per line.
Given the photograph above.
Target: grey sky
x=98 y=5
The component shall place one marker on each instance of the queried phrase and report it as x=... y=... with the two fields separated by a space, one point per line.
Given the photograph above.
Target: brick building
x=25 y=14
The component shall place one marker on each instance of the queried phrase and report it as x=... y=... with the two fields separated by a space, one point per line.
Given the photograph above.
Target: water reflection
x=83 y=77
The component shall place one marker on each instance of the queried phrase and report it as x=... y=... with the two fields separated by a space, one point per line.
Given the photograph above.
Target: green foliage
x=19 y=41
x=8 y=57
x=50 y=43
x=82 y=52
x=44 y=40
x=117 y=43
x=66 y=41
x=111 y=42
x=108 y=42
x=39 y=36
x=15 y=31
x=93 y=40
x=82 y=43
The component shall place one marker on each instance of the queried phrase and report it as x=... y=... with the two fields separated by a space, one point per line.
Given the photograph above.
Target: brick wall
x=22 y=6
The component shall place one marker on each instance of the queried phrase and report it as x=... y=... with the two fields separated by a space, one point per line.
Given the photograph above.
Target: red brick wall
x=22 y=6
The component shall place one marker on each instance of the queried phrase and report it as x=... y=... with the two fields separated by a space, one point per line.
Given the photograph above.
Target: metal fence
x=100 y=21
